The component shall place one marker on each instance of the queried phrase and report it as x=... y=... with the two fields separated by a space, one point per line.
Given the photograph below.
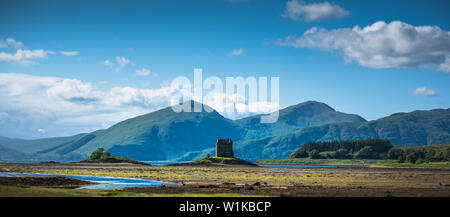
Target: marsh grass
x=324 y=161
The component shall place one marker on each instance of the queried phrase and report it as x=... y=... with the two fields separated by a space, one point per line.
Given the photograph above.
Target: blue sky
x=170 y=38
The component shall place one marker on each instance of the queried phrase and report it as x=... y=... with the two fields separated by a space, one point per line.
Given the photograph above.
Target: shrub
x=314 y=154
x=100 y=154
x=395 y=153
x=420 y=161
x=299 y=153
x=342 y=154
x=413 y=157
x=97 y=154
x=366 y=153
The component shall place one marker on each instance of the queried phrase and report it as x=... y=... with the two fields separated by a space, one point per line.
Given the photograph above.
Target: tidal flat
x=361 y=181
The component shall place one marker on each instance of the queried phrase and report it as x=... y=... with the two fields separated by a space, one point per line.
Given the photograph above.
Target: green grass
x=421 y=165
x=389 y=163
x=323 y=161
x=222 y=160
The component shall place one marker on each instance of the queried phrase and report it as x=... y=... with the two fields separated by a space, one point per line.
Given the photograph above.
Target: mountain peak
x=311 y=105
x=194 y=104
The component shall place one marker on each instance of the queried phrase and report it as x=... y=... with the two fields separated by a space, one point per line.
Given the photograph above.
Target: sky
x=69 y=67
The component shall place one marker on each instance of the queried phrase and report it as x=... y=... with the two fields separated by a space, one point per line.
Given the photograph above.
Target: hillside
x=295 y=117
x=167 y=135
x=414 y=128
x=37 y=145
x=7 y=154
x=161 y=135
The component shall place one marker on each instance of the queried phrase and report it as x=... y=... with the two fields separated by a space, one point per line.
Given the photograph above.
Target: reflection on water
x=104 y=182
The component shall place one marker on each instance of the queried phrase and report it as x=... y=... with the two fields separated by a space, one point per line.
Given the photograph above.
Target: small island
x=102 y=156
x=224 y=157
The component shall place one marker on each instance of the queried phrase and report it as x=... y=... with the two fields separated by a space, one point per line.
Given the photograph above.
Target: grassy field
x=325 y=161
x=244 y=181
x=421 y=165
x=373 y=162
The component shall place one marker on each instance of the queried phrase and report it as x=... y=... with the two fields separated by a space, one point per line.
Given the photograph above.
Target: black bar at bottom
x=224 y=206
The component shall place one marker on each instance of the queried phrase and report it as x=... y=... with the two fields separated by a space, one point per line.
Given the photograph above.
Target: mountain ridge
x=167 y=135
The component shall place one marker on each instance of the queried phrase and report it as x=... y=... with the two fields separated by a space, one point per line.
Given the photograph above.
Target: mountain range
x=168 y=135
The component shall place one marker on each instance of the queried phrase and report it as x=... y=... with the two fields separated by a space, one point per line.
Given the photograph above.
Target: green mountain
x=167 y=135
x=295 y=117
x=159 y=135
x=414 y=128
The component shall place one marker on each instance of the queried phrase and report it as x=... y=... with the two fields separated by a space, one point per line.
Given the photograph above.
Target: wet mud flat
x=262 y=181
x=51 y=181
x=298 y=191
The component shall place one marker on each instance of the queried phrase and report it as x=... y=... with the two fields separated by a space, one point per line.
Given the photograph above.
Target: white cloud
x=143 y=72
x=24 y=56
x=67 y=106
x=21 y=56
x=121 y=62
x=299 y=10
x=237 y=52
x=40 y=130
x=423 y=91
x=10 y=42
x=445 y=66
x=381 y=45
x=69 y=53
x=73 y=90
x=108 y=63
x=236 y=106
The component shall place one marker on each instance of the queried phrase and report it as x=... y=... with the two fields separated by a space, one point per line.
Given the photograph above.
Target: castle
x=224 y=148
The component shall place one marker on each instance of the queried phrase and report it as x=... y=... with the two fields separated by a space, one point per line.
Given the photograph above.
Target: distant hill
x=414 y=128
x=307 y=114
x=7 y=154
x=36 y=145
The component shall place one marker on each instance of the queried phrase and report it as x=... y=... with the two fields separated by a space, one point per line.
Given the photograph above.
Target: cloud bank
x=381 y=45
x=35 y=106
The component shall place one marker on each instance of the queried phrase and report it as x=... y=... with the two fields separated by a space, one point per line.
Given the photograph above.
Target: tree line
x=371 y=149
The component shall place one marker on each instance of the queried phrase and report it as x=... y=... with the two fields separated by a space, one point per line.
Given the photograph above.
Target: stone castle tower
x=224 y=148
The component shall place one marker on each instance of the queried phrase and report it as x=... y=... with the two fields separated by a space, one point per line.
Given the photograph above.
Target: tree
x=105 y=156
x=395 y=153
x=314 y=154
x=413 y=157
x=97 y=154
x=100 y=154
x=402 y=159
x=300 y=153
x=341 y=154
x=366 y=153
